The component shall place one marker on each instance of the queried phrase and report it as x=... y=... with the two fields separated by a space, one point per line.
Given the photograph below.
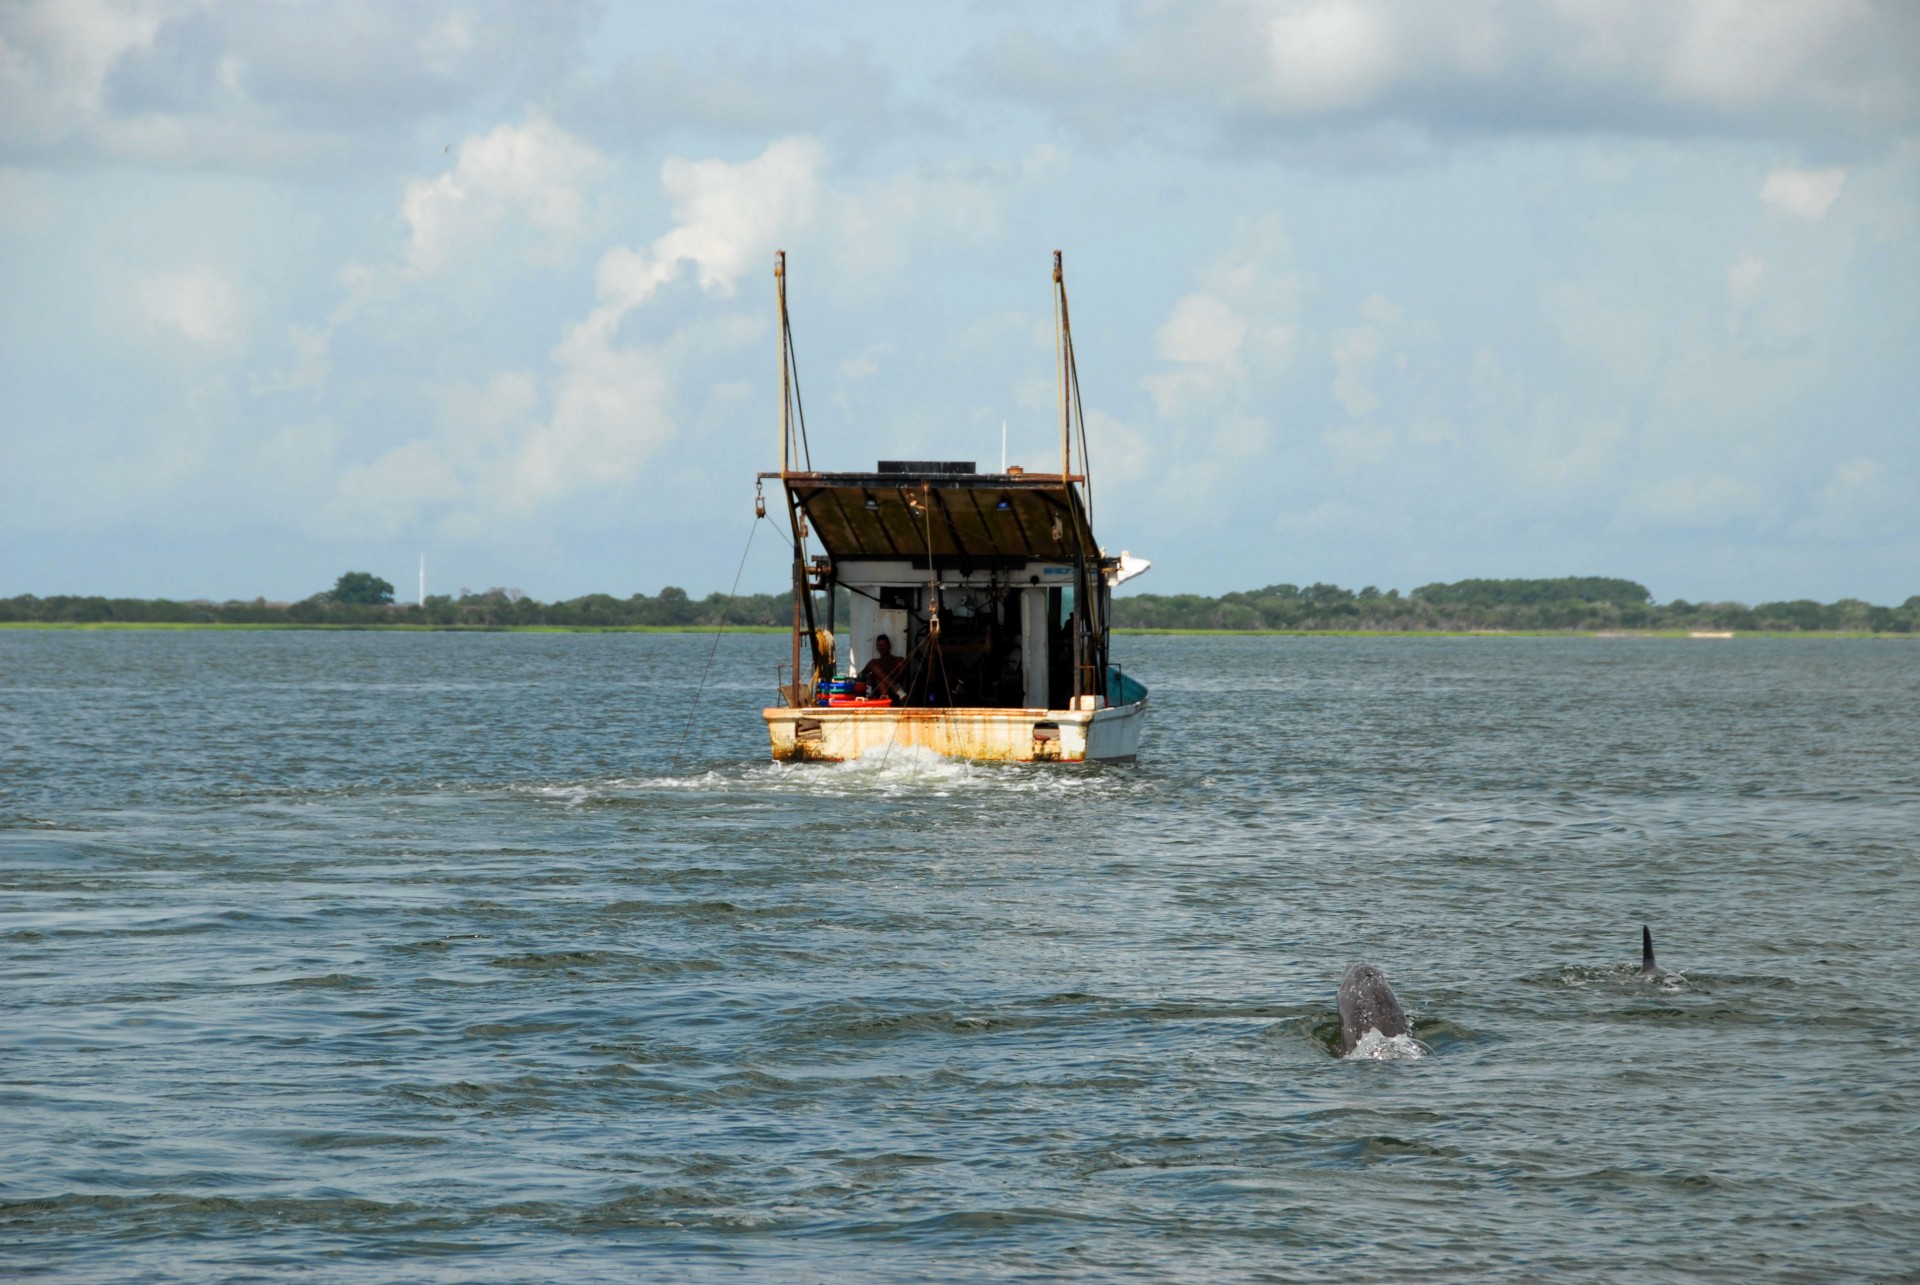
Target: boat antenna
x=1003 y=446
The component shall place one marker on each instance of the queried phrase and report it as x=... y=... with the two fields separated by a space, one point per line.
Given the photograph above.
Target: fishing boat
x=977 y=603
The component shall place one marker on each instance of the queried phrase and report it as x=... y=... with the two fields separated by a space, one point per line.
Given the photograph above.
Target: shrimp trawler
x=977 y=602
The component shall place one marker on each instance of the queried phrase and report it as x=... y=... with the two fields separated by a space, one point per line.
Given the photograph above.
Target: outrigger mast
x=1089 y=633
x=793 y=433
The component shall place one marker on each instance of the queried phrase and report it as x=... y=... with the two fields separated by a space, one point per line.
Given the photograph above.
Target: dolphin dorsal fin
x=1646 y=949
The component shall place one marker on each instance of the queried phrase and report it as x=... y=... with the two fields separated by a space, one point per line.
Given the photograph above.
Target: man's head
x=883 y=645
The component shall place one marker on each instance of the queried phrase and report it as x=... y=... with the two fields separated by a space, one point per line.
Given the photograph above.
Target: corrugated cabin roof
x=967 y=521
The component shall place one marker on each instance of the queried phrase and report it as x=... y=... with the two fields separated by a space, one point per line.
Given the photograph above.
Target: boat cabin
x=988 y=587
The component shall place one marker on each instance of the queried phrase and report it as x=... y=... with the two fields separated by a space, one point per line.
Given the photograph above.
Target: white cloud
x=1328 y=54
x=865 y=365
x=1744 y=279
x=1353 y=447
x=733 y=88
x=1805 y=194
x=1433 y=432
x=1327 y=516
x=1175 y=391
x=1354 y=352
x=612 y=408
x=730 y=217
x=1121 y=453
x=273 y=88
x=1044 y=161
x=285 y=475
x=1559 y=450
x=1381 y=309
x=1734 y=55
x=1549 y=450
x=1240 y=437
x=446 y=46
x=196 y=302
x=1653 y=67
x=1616 y=327
x=535 y=172
x=1202 y=336
x=1853 y=476
x=385 y=496
x=485 y=417
x=463 y=467
x=879 y=228
x=1237 y=331
x=613 y=401
x=312 y=360
x=534 y=177
x=1857 y=499
x=1703 y=500
x=55 y=56
x=1202 y=330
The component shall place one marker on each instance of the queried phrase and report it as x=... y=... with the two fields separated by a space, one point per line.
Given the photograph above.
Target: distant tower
x=423 y=578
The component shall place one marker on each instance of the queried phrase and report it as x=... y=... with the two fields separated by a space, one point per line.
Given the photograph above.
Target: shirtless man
x=884 y=674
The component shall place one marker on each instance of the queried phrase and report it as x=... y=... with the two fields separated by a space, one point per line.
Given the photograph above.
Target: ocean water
x=454 y=957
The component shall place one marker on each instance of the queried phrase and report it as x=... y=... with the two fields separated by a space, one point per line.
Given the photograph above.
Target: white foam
x=901 y=770
x=1375 y=1047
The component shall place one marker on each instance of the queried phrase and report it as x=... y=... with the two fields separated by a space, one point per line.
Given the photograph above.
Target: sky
x=1369 y=292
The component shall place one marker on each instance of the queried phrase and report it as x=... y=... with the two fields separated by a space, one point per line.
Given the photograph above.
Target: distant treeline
x=670 y=608
x=1571 y=603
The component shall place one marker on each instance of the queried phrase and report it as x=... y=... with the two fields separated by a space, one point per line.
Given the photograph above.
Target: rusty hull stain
x=983 y=735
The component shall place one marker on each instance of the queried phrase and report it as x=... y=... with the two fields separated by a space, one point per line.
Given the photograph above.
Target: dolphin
x=1649 y=971
x=1367 y=1003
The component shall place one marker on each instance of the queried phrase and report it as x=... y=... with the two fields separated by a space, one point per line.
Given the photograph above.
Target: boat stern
x=828 y=735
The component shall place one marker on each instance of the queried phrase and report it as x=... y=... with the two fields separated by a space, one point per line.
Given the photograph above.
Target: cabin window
x=1005 y=642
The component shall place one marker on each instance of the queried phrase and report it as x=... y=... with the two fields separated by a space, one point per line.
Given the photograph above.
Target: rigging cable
x=793 y=370
x=1096 y=616
x=1079 y=412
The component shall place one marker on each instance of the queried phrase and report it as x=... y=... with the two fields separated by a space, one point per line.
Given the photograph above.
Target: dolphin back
x=1367 y=1003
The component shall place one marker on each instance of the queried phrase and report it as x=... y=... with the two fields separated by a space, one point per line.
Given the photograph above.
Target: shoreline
x=1604 y=635
x=257 y=626
x=1599 y=635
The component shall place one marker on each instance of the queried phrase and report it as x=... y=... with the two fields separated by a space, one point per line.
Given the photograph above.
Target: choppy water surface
x=438 y=957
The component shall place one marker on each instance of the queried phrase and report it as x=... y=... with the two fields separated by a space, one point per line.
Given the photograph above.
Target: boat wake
x=904 y=771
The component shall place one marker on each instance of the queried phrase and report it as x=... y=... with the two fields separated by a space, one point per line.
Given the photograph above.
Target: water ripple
x=424 y=958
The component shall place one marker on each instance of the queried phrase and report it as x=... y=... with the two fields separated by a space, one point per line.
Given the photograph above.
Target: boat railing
x=786 y=695
x=1122 y=690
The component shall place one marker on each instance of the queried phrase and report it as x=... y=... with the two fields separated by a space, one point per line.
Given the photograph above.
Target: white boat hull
x=1012 y=735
